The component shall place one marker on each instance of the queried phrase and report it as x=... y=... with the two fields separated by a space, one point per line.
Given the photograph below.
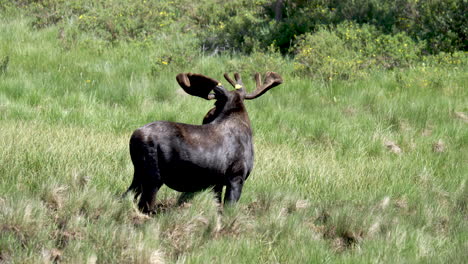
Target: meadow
x=368 y=169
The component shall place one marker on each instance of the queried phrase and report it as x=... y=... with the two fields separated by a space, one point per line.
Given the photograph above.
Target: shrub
x=179 y=55
x=456 y=59
x=442 y=23
x=379 y=49
x=243 y=25
x=348 y=50
x=324 y=55
x=238 y=25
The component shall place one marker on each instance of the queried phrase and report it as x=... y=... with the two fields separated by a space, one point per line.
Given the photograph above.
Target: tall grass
x=369 y=170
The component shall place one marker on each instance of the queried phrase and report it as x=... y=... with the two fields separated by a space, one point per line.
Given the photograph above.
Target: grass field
x=366 y=171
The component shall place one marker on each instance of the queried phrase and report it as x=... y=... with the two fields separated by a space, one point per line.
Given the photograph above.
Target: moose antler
x=238 y=83
x=197 y=84
x=271 y=80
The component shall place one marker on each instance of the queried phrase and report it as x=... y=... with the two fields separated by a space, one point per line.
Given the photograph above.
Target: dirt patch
x=163 y=206
x=182 y=236
x=401 y=203
x=54 y=198
x=302 y=204
x=258 y=207
x=3 y=257
x=345 y=241
x=341 y=239
x=53 y=255
x=426 y=132
x=462 y=116
x=232 y=227
x=350 y=111
x=438 y=146
x=139 y=218
x=393 y=147
x=63 y=237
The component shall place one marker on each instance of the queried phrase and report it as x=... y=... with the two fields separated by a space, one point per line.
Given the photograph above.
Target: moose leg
x=233 y=190
x=148 y=196
x=150 y=184
x=218 y=190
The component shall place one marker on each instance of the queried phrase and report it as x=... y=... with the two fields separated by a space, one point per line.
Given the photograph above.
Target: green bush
x=180 y=55
x=377 y=48
x=441 y=24
x=324 y=55
x=237 y=25
x=349 y=50
x=455 y=59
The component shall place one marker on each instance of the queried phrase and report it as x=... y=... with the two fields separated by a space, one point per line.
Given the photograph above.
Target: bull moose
x=189 y=158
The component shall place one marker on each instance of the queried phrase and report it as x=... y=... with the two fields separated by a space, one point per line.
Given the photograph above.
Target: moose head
x=189 y=158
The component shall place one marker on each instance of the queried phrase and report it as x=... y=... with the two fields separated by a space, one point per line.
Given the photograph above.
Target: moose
x=190 y=158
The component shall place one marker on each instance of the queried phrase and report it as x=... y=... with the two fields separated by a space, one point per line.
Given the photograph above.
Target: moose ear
x=197 y=84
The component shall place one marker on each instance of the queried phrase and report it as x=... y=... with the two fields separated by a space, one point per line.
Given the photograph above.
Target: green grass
x=325 y=188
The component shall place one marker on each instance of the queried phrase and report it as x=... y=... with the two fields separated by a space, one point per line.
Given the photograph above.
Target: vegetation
x=361 y=155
